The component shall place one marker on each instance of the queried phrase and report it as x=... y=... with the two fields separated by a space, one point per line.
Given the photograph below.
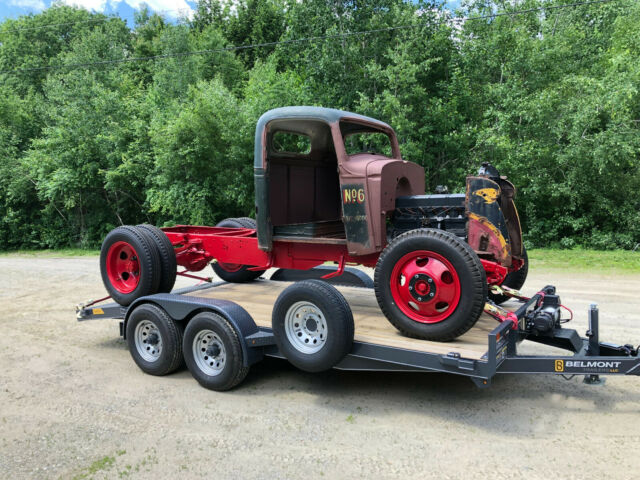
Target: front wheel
x=430 y=285
x=154 y=340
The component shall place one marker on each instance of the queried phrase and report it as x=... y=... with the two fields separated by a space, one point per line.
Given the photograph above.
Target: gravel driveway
x=74 y=405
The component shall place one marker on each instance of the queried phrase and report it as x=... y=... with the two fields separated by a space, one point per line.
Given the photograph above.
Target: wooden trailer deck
x=371 y=326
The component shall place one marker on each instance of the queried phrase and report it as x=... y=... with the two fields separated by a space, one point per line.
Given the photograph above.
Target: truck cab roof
x=295 y=114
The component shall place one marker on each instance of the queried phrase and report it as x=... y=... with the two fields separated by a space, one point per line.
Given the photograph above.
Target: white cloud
x=35 y=4
x=170 y=8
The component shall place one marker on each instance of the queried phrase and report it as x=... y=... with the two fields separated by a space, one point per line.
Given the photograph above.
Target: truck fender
x=180 y=307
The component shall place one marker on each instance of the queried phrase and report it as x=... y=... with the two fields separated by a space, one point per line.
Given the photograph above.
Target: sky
x=172 y=9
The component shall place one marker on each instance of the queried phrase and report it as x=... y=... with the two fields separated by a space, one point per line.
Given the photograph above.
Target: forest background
x=101 y=124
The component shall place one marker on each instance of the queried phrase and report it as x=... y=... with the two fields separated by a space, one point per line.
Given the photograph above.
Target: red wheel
x=425 y=286
x=430 y=284
x=129 y=264
x=230 y=267
x=123 y=267
x=235 y=272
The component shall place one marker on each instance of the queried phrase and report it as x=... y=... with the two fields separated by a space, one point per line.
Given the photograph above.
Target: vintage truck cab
x=331 y=186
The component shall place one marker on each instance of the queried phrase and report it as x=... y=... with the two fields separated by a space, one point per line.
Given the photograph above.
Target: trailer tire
x=213 y=352
x=166 y=252
x=129 y=264
x=313 y=325
x=235 y=273
x=154 y=340
x=430 y=285
x=513 y=280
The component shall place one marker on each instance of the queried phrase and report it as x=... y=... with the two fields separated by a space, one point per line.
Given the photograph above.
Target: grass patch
x=620 y=261
x=63 y=252
x=102 y=464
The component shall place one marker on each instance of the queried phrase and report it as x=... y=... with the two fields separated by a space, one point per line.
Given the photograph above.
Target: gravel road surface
x=74 y=405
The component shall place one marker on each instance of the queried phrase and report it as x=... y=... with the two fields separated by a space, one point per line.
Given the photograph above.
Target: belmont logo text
x=591 y=364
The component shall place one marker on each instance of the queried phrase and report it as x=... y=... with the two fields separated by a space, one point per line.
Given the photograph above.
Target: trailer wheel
x=166 y=252
x=235 y=272
x=129 y=264
x=154 y=340
x=513 y=280
x=313 y=325
x=430 y=285
x=213 y=353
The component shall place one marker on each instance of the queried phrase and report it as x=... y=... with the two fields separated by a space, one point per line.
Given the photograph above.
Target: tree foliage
x=551 y=97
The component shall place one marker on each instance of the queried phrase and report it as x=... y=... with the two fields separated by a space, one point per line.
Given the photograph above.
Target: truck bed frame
x=486 y=350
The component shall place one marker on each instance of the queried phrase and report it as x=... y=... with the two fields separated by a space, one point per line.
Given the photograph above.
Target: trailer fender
x=180 y=307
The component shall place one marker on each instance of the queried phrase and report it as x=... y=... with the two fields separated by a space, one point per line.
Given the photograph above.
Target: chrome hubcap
x=148 y=340
x=209 y=352
x=306 y=327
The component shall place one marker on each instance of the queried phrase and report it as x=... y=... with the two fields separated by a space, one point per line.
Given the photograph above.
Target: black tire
x=221 y=375
x=168 y=333
x=147 y=258
x=472 y=285
x=247 y=222
x=243 y=274
x=166 y=252
x=336 y=321
x=513 y=280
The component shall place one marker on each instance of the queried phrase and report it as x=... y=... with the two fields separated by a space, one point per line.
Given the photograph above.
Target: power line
x=298 y=40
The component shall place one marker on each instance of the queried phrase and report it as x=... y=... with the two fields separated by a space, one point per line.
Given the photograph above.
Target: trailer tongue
x=480 y=354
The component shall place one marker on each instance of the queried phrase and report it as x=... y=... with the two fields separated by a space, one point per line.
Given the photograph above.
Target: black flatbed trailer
x=489 y=349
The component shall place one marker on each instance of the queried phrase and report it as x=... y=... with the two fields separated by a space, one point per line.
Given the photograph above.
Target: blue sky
x=124 y=8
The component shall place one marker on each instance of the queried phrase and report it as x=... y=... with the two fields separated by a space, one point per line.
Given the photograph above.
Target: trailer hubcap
x=425 y=286
x=209 y=352
x=305 y=327
x=148 y=340
x=123 y=267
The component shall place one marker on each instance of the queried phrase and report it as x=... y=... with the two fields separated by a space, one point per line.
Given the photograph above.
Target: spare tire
x=129 y=264
x=312 y=325
x=235 y=272
x=430 y=284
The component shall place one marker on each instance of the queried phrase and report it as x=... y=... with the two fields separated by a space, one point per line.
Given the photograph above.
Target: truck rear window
x=286 y=142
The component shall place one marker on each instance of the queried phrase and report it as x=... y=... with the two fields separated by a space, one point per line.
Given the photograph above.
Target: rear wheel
x=129 y=264
x=513 y=280
x=167 y=255
x=236 y=272
x=430 y=285
x=213 y=353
